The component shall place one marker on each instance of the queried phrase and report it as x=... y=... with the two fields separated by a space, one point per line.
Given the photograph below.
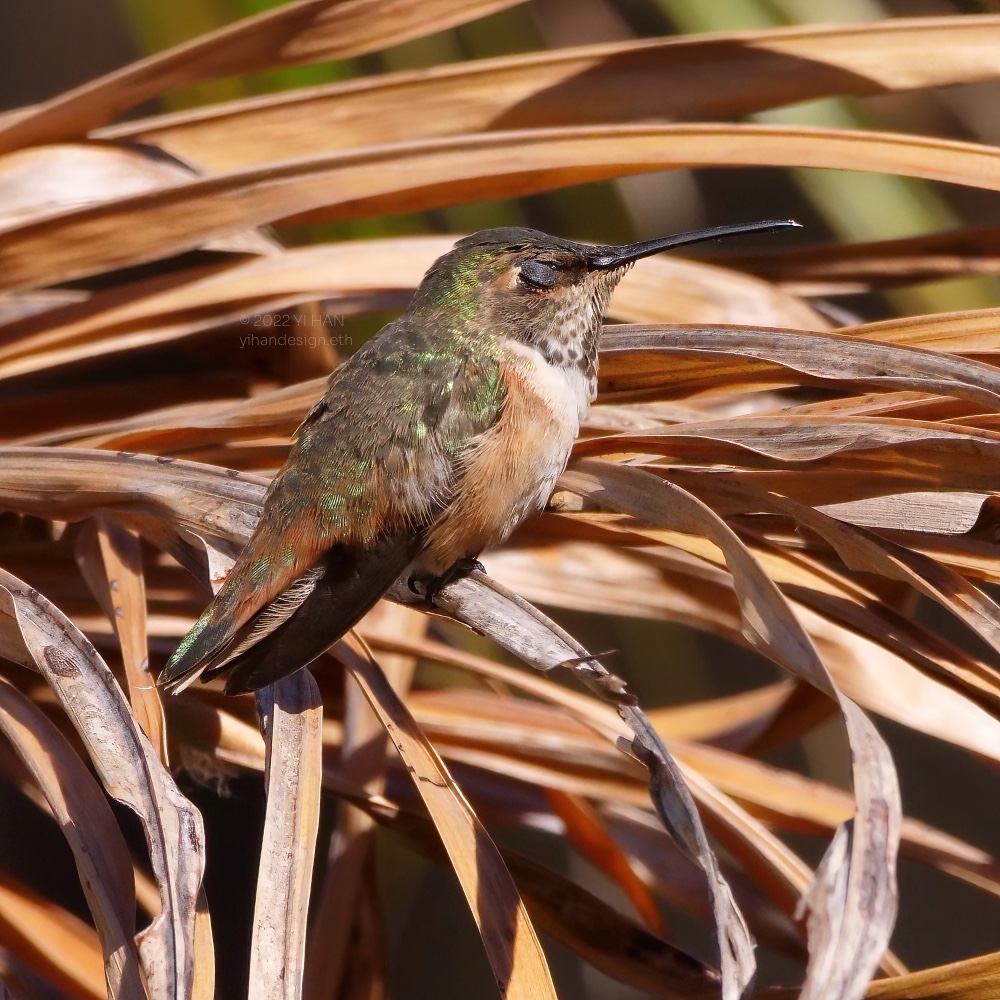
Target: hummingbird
x=433 y=442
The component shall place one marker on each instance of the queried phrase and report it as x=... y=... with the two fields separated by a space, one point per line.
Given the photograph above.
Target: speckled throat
x=572 y=338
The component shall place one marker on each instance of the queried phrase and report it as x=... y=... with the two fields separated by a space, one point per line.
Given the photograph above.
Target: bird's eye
x=535 y=274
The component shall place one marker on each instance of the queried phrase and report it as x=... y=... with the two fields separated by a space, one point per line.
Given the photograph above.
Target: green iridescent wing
x=372 y=468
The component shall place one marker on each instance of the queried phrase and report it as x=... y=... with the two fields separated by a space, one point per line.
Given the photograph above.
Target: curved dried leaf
x=36 y=182
x=845 y=947
x=864 y=551
x=878 y=264
x=199 y=500
x=966 y=332
x=101 y=855
x=482 y=723
x=805 y=805
x=639 y=362
x=512 y=947
x=51 y=941
x=973 y=979
x=408 y=177
x=110 y=558
x=885 y=455
x=702 y=76
x=131 y=772
x=292 y=719
x=490 y=610
x=294 y=33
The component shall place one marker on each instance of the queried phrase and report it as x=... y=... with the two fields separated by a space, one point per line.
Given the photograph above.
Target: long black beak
x=612 y=257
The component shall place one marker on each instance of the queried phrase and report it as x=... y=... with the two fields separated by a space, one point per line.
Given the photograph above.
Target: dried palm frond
x=760 y=466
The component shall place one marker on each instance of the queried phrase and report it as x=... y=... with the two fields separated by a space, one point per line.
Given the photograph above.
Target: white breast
x=566 y=389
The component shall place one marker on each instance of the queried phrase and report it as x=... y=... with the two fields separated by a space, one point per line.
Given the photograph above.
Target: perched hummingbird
x=433 y=442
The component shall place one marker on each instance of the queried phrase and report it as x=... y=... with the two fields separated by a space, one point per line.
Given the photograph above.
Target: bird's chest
x=511 y=471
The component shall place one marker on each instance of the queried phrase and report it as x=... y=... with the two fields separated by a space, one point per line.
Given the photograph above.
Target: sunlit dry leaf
x=805 y=805
x=950 y=513
x=197 y=499
x=601 y=580
x=822 y=586
x=292 y=715
x=974 y=979
x=717 y=76
x=131 y=772
x=641 y=362
x=884 y=455
x=481 y=604
x=39 y=182
x=730 y=721
x=967 y=332
x=110 y=558
x=864 y=551
x=408 y=177
x=100 y=852
x=511 y=944
x=292 y=34
x=515 y=750
x=877 y=264
x=844 y=947
x=348 y=874
x=65 y=950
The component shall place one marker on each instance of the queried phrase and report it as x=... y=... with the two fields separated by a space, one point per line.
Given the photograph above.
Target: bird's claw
x=430 y=589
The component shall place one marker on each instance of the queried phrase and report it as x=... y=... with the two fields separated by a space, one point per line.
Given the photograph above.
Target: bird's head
x=541 y=290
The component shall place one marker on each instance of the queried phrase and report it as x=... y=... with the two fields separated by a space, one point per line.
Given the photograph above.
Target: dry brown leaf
x=65 y=950
x=716 y=76
x=885 y=455
x=732 y=721
x=973 y=979
x=408 y=177
x=131 y=772
x=292 y=719
x=805 y=805
x=603 y=580
x=39 y=182
x=483 y=605
x=864 y=551
x=295 y=33
x=512 y=947
x=877 y=264
x=819 y=585
x=654 y=362
x=78 y=805
x=504 y=726
x=110 y=558
x=348 y=874
x=198 y=500
x=844 y=948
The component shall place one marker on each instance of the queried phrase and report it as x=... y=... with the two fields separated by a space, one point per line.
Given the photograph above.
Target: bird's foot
x=430 y=588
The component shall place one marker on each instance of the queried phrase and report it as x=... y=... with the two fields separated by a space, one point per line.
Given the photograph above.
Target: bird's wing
x=373 y=466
